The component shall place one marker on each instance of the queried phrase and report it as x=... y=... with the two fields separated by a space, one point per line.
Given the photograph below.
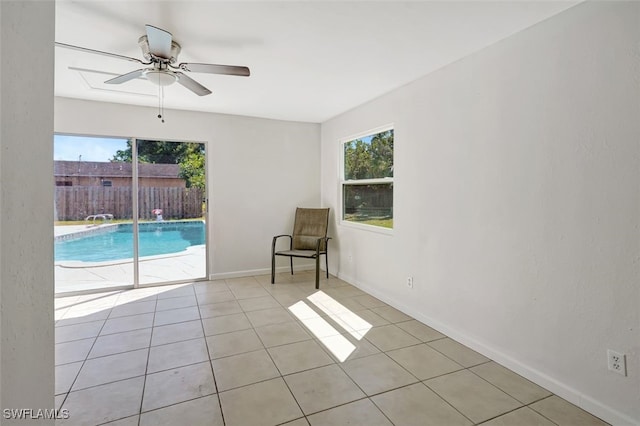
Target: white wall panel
x=517 y=203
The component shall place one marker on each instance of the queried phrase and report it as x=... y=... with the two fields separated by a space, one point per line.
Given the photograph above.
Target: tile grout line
x=503 y=414
x=447 y=402
x=213 y=373
x=380 y=409
x=339 y=365
x=418 y=381
x=276 y=367
x=81 y=367
x=537 y=412
x=146 y=368
x=285 y=383
x=302 y=296
x=499 y=388
x=78 y=302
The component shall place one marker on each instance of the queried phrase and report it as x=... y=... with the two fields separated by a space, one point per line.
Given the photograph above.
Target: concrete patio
x=75 y=276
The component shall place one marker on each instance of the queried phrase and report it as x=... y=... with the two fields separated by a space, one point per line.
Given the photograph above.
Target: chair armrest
x=273 y=244
x=326 y=244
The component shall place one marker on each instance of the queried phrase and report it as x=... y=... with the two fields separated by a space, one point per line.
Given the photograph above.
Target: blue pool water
x=155 y=239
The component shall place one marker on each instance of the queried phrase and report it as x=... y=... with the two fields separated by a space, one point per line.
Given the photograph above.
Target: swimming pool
x=116 y=242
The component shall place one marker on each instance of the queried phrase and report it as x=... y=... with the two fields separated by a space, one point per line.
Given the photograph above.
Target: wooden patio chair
x=309 y=240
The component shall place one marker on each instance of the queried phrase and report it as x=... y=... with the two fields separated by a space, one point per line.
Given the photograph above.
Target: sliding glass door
x=171 y=208
x=127 y=213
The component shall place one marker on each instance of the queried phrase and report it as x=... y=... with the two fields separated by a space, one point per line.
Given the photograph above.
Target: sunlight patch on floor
x=325 y=332
x=347 y=319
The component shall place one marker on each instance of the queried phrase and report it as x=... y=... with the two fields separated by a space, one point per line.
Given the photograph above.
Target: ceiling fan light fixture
x=161 y=78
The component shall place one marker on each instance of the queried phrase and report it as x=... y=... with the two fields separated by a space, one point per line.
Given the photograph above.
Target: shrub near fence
x=78 y=202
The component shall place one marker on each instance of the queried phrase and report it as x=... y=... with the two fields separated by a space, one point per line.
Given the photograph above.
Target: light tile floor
x=245 y=352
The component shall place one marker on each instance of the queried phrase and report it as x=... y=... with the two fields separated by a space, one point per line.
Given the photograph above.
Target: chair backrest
x=309 y=225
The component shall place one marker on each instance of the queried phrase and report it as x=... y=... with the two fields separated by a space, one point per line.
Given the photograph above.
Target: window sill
x=368 y=228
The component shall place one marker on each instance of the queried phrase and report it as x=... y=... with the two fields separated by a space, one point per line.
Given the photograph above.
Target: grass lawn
x=379 y=221
x=100 y=222
x=385 y=223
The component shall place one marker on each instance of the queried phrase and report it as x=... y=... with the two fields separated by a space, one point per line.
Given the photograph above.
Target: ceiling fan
x=160 y=51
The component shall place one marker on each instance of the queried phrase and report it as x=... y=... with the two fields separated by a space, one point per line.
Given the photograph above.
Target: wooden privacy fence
x=78 y=202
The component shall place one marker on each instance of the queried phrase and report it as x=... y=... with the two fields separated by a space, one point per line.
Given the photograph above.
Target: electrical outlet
x=617 y=362
x=410 y=282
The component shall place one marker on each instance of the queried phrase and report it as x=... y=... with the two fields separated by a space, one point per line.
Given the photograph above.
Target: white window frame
x=342 y=181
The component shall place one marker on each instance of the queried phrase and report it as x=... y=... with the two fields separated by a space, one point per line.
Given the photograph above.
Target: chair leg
x=291 y=260
x=273 y=268
x=317 y=272
x=326 y=264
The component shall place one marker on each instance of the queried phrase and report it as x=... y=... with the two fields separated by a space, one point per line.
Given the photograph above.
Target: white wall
x=517 y=203
x=26 y=235
x=258 y=170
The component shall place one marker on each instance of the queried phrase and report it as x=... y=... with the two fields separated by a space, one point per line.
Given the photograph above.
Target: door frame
x=135 y=217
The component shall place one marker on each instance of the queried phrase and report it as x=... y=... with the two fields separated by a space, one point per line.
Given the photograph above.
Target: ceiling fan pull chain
x=162 y=103
x=159 y=102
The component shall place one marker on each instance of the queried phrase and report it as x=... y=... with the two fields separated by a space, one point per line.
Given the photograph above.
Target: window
x=107 y=183
x=367 y=179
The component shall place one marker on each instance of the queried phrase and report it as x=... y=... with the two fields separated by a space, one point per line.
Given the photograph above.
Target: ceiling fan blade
x=216 y=69
x=100 y=52
x=159 y=42
x=192 y=85
x=126 y=77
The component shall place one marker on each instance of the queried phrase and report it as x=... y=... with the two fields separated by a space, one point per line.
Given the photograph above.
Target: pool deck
x=71 y=229
x=74 y=276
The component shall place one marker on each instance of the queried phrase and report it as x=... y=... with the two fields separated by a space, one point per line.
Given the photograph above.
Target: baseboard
x=254 y=272
x=572 y=395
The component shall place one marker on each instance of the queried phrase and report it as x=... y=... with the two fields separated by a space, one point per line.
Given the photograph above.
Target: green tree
x=188 y=155
x=382 y=154
x=158 y=152
x=370 y=158
x=357 y=159
x=192 y=169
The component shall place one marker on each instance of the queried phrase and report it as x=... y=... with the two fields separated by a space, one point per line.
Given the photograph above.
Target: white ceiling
x=309 y=60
